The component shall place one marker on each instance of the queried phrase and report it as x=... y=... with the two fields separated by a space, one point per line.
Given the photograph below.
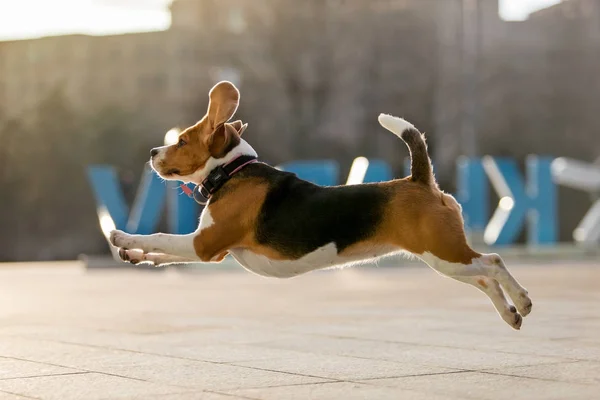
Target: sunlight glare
x=506 y=203
x=94 y=17
x=106 y=222
x=358 y=171
x=172 y=136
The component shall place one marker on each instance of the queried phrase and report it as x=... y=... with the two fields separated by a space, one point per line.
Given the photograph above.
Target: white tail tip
x=394 y=124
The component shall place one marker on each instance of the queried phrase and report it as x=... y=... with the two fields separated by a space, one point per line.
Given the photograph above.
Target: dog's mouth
x=173 y=171
x=162 y=170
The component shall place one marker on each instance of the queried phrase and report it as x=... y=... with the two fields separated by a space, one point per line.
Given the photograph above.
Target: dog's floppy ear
x=239 y=126
x=224 y=99
x=223 y=139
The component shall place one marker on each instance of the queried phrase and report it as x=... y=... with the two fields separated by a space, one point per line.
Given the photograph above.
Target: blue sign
x=534 y=200
x=531 y=202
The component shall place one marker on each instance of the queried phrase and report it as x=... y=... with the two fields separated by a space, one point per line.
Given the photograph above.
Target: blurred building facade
x=336 y=64
x=315 y=74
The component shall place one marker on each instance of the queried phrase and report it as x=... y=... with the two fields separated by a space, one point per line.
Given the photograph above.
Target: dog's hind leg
x=486 y=265
x=446 y=250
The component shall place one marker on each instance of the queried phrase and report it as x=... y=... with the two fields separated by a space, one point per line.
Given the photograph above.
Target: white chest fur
x=206 y=220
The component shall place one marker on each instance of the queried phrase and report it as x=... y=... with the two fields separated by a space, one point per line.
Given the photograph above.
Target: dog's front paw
x=124 y=256
x=118 y=238
x=133 y=256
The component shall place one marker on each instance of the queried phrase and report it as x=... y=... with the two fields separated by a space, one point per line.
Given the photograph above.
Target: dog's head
x=211 y=139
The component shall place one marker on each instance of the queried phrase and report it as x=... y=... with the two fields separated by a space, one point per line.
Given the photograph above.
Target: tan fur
x=418 y=221
x=239 y=126
x=234 y=218
x=208 y=137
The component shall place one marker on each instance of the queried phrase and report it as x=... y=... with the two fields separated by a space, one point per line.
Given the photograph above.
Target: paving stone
x=69 y=355
x=10 y=396
x=568 y=349
x=190 y=396
x=217 y=345
x=175 y=371
x=586 y=372
x=224 y=353
x=337 y=391
x=483 y=386
x=193 y=345
x=209 y=376
x=342 y=368
x=89 y=386
x=425 y=355
x=12 y=368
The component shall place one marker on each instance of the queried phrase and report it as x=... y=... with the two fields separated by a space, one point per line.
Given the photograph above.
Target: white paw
x=513 y=318
x=133 y=256
x=523 y=303
x=119 y=239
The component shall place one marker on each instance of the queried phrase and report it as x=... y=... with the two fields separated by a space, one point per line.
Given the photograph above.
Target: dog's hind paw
x=512 y=317
x=524 y=304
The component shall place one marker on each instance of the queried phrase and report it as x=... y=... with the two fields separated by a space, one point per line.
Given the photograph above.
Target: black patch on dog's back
x=297 y=217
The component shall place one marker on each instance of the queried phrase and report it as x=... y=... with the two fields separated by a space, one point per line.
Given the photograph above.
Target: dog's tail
x=420 y=164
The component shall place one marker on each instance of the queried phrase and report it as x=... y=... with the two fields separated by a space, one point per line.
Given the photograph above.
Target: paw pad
x=123 y=255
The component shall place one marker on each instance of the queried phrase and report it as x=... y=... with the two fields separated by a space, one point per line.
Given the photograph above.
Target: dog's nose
x=153 y=152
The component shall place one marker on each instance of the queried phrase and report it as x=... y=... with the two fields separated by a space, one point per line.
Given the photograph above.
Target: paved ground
x=368 y=333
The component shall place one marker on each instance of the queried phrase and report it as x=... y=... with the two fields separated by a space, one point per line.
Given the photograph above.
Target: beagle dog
x=275 y=224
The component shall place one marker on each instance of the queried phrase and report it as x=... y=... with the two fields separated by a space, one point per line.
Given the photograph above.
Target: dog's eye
x=181 y=143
